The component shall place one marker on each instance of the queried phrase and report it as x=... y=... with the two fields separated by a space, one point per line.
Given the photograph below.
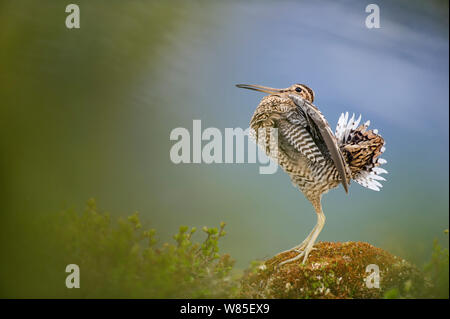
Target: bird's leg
x=310 y=240
x=309 y=246
x=301 y=246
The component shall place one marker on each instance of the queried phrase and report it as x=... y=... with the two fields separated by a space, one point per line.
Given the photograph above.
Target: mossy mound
x=334 y=270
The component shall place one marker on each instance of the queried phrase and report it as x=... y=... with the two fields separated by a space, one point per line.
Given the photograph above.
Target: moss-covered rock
x=334 y=270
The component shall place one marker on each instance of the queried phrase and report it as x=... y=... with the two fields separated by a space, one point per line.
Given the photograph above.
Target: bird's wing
x=293 y=130
x=321 y=130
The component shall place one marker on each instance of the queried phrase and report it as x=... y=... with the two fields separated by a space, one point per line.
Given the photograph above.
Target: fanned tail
x=361 y=149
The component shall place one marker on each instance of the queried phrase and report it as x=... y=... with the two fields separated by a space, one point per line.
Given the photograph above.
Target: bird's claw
x=301 y=252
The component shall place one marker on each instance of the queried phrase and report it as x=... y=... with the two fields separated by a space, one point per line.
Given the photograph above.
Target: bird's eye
x=298 y=89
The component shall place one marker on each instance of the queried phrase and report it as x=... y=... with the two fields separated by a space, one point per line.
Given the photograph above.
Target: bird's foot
x=302 y=252
x=298 y=249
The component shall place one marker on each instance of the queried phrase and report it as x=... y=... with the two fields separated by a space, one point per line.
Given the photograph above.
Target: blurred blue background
x=87 y=113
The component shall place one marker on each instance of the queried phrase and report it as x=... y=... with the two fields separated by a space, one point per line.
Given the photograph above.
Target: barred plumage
x=316 y=159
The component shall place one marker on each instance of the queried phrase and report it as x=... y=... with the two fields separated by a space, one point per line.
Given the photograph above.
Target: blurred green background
x=87 y=113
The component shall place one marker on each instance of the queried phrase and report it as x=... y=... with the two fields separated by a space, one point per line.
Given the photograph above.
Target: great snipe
x=316 y=159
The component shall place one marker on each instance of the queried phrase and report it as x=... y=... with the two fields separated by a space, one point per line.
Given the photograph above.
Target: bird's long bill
x=259 y=88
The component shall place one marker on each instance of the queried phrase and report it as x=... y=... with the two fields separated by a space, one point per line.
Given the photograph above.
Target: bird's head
x=297 y=89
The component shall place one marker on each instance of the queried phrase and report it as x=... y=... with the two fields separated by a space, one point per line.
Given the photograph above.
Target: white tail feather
x=370 y=177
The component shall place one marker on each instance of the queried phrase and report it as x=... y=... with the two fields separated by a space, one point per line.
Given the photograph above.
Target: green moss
x=334 y=270
x=120 y=258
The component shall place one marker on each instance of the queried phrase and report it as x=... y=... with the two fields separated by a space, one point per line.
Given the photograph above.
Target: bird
x=307 y=150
